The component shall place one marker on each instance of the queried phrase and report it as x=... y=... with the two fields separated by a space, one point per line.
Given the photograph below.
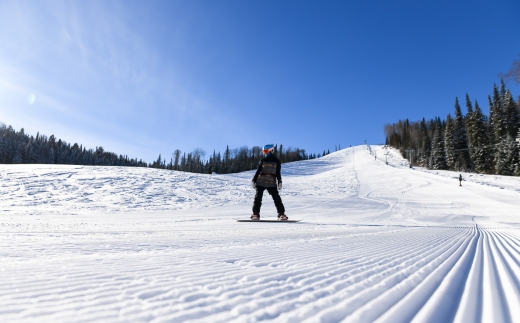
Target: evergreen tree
x=469 y=122
x=461 y=140
x=425 y=144
x=227 y=158
x=52 y=157
x=176 y=157
x=31 y=154
x=449 y=144
x=479 y=144
x=496 y=116
x=17 y=158
x=2 y=150
x=517 y=166
x=506 y=156
x=183 y=163
x=511 y=115
x=438 y=155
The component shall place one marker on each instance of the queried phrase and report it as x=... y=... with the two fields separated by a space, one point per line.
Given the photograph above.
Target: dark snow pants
x=273 y=191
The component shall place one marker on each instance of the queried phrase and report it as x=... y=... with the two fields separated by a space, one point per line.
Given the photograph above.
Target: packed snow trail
x=379 y=243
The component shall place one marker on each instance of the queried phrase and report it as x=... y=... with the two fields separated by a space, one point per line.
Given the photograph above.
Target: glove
x=279 y=185
x=253 y=184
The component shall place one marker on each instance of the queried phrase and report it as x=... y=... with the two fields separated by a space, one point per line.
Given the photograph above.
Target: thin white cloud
x=91 y=69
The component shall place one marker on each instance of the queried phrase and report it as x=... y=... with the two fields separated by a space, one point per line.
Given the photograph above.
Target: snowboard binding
x=282 y=217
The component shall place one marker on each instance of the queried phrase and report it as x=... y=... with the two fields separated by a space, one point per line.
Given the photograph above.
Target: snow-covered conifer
x=496 y=116
x=517 y=165
x=479 y=143
x=461 y=139
x=438 y=155
x=425 y=144
x=469 y=122
x=449 y=144
x=511 y=115
x=17 y=158
x=2 y=150
x=31 y=156
x=506 y=156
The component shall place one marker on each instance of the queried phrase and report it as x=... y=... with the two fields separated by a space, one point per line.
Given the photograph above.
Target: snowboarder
x=460 y=179
x=268 y=172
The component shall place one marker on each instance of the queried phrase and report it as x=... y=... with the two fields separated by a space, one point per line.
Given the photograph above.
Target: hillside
x=378 y=242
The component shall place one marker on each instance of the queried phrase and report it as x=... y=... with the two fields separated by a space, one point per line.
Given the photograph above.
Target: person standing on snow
x=268 y=172
x=460 y=179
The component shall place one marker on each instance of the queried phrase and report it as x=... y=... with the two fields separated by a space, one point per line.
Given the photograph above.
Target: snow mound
x=68 y=189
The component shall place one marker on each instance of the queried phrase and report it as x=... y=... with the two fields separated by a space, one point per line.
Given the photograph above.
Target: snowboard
x=277 y=221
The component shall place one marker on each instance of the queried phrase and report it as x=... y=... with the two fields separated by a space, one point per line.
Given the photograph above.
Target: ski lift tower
x=410 y=151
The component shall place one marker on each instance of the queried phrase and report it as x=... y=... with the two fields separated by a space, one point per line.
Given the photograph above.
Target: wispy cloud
x=91 y=68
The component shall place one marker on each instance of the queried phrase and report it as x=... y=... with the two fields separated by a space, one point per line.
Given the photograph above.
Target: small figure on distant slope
x=268 y=172
x=460 y=179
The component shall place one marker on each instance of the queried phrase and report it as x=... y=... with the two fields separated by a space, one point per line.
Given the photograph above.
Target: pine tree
x=2 y=150
x=506 y=156
x=469 y=121
x=227 y=158
x=479 y=142
x=449 y=144
x=31 y=154
x=511 y=115
x=183 y=163
x=496 y=116
x=438 y=156
x=17 y=159
x=176 y=157
x=425 y=144
x=461 y=140
x=517 y=166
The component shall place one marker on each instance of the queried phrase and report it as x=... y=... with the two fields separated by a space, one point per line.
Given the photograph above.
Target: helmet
x=268 y=149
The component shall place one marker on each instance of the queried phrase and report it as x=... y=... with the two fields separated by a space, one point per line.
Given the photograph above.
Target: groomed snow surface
x=378 y=242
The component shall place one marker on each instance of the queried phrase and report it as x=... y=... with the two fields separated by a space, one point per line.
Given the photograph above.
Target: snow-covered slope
x=378 y=243
x=69 y=189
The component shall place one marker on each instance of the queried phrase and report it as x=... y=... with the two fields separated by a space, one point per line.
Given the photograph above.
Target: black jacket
x=269 y=170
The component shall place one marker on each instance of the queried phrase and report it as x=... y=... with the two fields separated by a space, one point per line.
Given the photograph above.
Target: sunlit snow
x=378 y=242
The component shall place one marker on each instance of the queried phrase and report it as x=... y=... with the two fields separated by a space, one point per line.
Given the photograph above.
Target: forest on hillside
x=475 y=142
x=231 y=161
x=17 y=147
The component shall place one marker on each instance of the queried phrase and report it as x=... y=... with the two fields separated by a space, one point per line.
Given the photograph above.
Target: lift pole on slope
x=410 y=151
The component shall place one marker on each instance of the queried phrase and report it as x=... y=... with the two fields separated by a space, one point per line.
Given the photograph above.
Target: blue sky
x=148 y=77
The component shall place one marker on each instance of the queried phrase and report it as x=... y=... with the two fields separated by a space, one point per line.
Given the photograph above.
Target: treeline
x=231 y=161
x=17 y=147
x=473 y=142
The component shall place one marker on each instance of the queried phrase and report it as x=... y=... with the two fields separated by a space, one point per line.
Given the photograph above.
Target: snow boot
x=282 y=217
x=255 y=217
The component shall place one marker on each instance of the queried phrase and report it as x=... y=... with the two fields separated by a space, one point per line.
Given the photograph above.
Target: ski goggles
x=267 y=151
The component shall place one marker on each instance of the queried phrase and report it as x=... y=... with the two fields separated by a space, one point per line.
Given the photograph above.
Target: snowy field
x=378 y=242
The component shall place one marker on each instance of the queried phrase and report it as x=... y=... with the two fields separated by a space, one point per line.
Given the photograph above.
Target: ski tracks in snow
x=295 y=273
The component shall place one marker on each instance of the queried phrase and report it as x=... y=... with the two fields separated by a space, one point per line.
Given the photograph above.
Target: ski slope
x=379 y=243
